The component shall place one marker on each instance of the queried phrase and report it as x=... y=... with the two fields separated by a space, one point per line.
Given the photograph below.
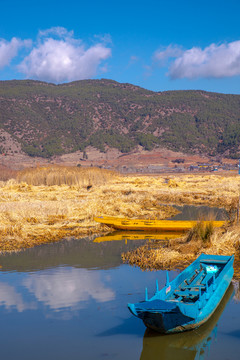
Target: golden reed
x=46 y=204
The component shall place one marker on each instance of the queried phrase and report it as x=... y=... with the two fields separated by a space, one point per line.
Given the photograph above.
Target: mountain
x=43 y=119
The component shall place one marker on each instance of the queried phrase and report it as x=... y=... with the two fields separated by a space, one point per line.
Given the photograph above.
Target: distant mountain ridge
x=43 y=119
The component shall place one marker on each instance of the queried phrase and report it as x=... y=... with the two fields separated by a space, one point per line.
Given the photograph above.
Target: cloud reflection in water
x=10 y=298
x=68 y=288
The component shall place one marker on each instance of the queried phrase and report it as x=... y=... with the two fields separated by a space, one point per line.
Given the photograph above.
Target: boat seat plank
x=197 y=286
x=207 y=278
x=187 y=292
x=213 y=262
x=194 y=282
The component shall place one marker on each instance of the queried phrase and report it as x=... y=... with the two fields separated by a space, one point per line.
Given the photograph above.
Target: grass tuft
x=201 y=231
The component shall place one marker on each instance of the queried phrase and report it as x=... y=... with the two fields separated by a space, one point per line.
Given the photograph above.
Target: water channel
x=68 y=300
x=192 y=212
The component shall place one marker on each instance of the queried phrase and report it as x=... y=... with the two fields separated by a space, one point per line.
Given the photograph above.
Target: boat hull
x=165 y=322
x=169 y=323
x=151 y=225
x=160 y=227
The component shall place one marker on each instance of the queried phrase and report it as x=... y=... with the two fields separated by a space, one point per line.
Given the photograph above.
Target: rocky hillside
x=44 y=119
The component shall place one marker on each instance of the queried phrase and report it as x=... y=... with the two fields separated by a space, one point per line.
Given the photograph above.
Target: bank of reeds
x=35 y=214
x=179 y=253
x=6 y=173
x=63 y=175
x=50 y=203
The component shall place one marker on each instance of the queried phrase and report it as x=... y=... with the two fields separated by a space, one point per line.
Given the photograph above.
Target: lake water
x=192 y=212
x=69 y=301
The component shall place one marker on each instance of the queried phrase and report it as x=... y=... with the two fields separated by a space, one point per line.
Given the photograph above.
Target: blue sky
x=158 y=45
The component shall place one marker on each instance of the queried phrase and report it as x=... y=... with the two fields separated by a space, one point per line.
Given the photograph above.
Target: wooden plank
x=213 y=262
x=187 y=292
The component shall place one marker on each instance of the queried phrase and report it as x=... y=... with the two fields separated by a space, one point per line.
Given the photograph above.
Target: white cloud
x=56 y=31
x=9 y=49
x=215 y=61
x=68 y=288
x=105 y=39
x=172 y=51
x=62 y=58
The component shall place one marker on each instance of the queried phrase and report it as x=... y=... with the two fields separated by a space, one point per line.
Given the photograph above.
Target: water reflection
x=188 y=345
x=68 y=300
x=10 y=298
x=58 y=289
x=192 y=212
x=68 y=288
x=236 y=284
x=80 y=253
x=137 y=235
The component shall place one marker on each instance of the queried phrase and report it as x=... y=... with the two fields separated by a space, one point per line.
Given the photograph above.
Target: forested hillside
x=47 y=119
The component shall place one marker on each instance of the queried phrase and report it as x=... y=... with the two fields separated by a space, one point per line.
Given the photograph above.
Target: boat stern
x=159 y=315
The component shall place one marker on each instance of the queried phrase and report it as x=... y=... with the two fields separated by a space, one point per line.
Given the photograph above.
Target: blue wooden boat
x=190 y=299
x=187 y=345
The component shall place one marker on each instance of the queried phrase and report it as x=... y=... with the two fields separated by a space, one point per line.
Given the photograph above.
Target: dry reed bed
x=36 y=214
x=6 y=173
x=211 y=190
x=214 y=190
x=179 y=253
x=48 y=204
x=62 y=175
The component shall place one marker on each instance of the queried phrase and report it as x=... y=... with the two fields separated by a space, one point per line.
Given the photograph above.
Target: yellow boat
x=151 y=225
x=137 y=235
